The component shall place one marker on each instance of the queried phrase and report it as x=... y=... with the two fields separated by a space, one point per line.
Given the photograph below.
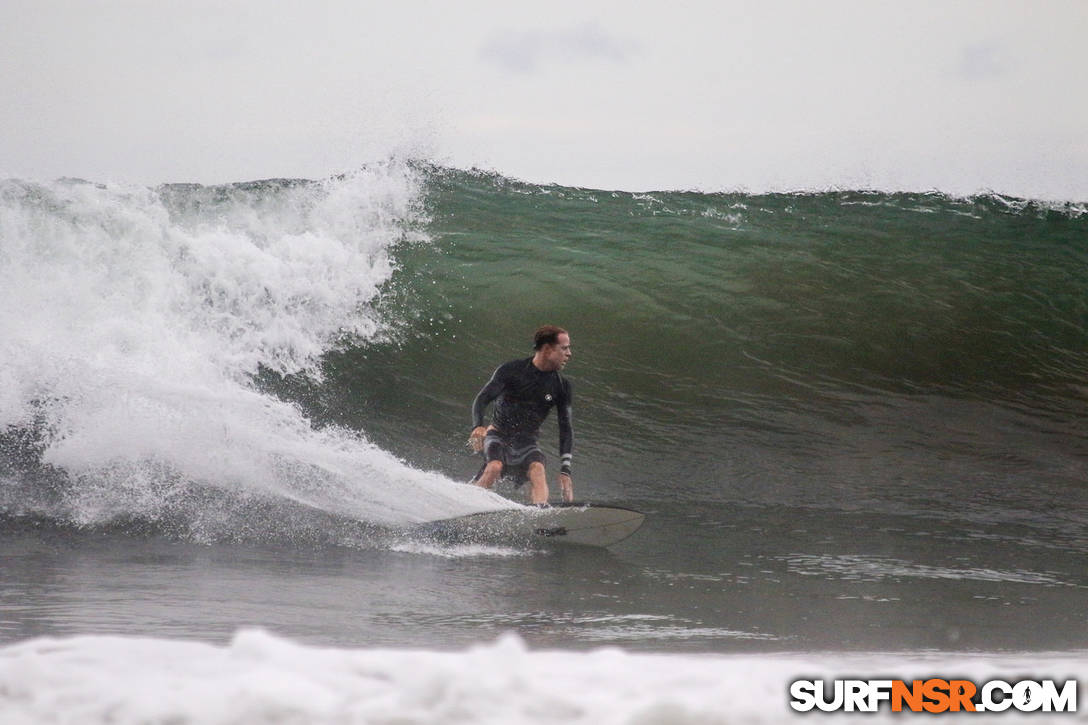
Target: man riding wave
x=524 y=392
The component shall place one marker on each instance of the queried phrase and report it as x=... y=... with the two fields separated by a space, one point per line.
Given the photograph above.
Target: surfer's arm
x=487 y=394
x=566 y=443
x=566 y=430
x=566 y=486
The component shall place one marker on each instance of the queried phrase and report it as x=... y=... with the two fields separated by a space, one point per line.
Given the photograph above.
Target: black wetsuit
x=524 y=396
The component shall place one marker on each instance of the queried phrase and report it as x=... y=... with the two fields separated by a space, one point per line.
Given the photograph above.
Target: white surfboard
x=578 y=522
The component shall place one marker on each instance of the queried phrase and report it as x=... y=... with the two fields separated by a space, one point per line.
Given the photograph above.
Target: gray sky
x=719 y=95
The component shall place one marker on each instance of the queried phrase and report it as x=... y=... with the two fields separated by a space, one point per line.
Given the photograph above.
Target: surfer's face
x=559 y=354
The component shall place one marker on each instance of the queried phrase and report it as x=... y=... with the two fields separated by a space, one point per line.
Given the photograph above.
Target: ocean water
x=857 y=422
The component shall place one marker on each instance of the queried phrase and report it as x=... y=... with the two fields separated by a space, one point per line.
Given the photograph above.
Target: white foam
x=133 y=320
x=261 y=678
x=460 y=551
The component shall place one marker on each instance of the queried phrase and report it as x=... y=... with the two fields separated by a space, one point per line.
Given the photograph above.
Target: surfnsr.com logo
x=934 y=695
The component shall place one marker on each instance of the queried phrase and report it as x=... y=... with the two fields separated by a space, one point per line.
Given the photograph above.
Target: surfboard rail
x=576 y=522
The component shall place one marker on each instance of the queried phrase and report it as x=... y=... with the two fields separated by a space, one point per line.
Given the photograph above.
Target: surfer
x=525 y=391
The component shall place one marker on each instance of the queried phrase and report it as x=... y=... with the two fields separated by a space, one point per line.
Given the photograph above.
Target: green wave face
x=806 y=347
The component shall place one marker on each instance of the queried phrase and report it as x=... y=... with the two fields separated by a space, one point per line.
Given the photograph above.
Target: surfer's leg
x=490 y=474
x=538 y=482
x=495 y=453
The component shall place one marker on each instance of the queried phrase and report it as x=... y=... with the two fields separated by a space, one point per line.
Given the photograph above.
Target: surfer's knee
x=538 y=488
x=493 y=470
x=490 y=473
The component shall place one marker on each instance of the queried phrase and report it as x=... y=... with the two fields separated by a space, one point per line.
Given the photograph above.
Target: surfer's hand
x=476 y=439
x=566 y=485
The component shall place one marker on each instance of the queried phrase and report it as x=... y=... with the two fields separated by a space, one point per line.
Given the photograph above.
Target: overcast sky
x=718 y=95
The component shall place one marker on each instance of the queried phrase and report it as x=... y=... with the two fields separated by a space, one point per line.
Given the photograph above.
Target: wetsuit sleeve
x=487 y=394
x=566 y=430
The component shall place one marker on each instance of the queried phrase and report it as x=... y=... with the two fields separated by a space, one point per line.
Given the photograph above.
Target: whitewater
x=133 y=326
x=259 y=678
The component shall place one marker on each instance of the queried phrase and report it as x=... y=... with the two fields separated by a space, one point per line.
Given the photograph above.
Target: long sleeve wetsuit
x=524 y=395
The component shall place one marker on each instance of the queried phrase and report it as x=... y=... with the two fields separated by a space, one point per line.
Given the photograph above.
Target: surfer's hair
x=547 y=335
